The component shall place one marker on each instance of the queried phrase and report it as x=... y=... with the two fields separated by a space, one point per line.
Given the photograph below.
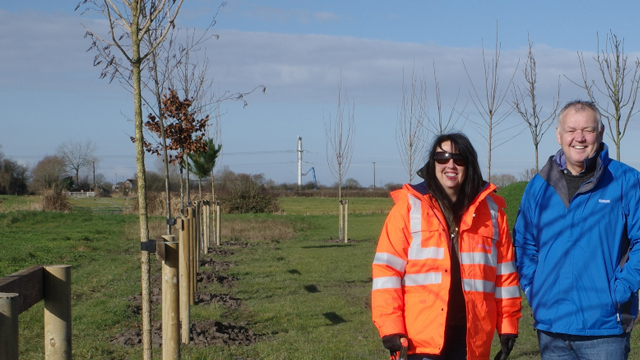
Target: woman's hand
x=392 y=342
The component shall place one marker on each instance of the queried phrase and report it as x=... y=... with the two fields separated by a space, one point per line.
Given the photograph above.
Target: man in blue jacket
x=576 y=237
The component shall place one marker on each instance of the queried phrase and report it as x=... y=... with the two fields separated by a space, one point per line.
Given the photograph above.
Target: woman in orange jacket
x=444 y=273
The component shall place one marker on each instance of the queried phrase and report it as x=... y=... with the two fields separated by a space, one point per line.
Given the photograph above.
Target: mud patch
x=135 y=301
x=209 y=277
x=217 y=265
x=212 y=332
x=236 y=243
x=220 y=299
x=201 y=334
x=219 y=251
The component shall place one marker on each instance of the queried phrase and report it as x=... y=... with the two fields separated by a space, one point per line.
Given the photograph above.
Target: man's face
x=579 y=137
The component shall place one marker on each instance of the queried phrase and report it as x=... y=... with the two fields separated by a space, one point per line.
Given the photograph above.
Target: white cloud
x=301 y=72
x=326 y=16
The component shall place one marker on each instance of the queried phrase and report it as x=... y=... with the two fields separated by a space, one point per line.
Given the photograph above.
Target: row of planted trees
x=614 y=90
x=141 y=50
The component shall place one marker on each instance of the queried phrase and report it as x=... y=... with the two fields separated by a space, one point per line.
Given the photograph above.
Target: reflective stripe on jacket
x=411 y=272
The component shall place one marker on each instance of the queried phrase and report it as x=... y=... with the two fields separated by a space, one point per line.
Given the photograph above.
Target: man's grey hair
x=582 y=105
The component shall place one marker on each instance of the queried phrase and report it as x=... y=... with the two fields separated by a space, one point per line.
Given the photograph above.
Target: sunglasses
x=442 y=158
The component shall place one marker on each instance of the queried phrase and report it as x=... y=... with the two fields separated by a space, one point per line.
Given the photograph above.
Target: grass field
x=306 y=293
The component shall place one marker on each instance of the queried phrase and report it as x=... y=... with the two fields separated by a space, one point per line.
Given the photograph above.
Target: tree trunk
x=163 y=138
x=141 y=179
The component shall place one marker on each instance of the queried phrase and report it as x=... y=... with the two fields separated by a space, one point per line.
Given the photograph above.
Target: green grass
x=101 y=204
x=16 y=203
x=512 y=195
x=324 y=206
x=309 y=296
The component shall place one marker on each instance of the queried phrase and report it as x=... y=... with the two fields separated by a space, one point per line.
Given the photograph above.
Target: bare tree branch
x=410 y=127
x=492 y=127
x=618 y=91
x=531 y=114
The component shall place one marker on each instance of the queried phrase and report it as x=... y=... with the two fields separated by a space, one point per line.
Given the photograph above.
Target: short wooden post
x=192 y=256
x=346 y=221
x=183 y=283
x=170 y=308
x=57 y=312
x=198 y=223
x=340 y=221
x=218 y=223
x=9 y=311
x=206 y=221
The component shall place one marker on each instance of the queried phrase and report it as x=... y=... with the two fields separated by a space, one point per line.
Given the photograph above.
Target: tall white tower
x=299 y=161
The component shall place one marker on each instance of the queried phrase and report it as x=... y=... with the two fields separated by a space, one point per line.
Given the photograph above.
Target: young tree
x=129 y=22
x=203 y=162
x=411 y=132
x=492 y=126
x=77 y=155
x=531 y=113
x=439 y=124
x=620 y=84
x=340 y=133
x=184 y=132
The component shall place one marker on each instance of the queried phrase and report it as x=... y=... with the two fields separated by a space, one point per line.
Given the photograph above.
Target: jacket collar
x=561 y=161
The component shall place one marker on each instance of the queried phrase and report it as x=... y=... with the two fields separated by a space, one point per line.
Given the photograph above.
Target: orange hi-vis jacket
x=411 y=272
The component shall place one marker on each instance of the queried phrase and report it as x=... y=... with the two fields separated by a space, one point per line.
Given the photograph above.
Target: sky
x=303 y=52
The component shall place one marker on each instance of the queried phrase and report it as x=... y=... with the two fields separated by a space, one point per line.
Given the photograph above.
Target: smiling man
x=576 y=236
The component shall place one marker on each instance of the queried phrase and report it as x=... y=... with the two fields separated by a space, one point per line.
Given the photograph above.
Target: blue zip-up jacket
x=579 y=259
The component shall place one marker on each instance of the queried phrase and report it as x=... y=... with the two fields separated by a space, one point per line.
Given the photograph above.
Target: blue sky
x=301 y=50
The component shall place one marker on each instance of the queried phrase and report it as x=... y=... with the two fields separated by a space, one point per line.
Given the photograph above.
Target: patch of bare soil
x=220 y=299
x=217 y=265
x=236 y=243
x=201 y=334
x=135 y=305
x=212 y=332
x=209 y=277
x=215 y=250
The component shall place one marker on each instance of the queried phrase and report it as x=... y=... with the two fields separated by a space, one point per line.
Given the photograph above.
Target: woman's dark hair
x=472 y=183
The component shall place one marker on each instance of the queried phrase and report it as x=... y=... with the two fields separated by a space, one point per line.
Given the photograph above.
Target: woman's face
x=450 y=174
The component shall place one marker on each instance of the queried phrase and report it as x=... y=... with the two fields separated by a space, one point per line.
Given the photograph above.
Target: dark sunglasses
x=442 y=158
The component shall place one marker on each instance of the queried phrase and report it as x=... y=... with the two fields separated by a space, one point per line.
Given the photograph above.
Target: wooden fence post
x=9 y=311
x=183 y=270
x=170 y=308
x=346 y=221
x=57 y=312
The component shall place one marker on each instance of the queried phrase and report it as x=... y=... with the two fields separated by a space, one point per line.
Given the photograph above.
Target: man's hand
x=392 y=342
x=506 y=345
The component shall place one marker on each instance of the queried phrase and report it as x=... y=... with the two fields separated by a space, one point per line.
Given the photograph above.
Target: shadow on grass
x=325 y=246
x=334 y=318
x=311 y=288
x=294 y=272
